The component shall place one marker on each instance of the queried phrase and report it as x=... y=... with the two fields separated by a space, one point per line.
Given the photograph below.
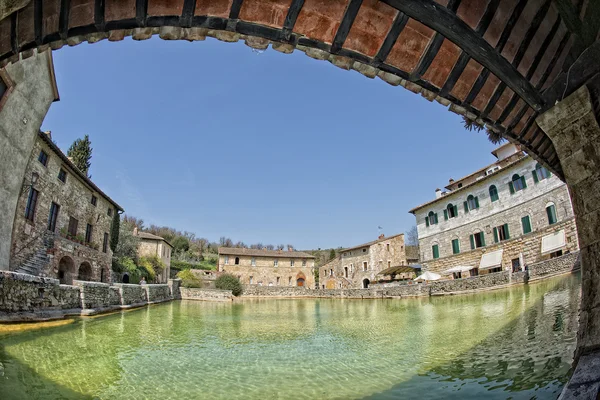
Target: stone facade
x=152 y=245
x=97 y=295
x=268 y=267
x=358 y=266
x=76 y=245
x=503 y=216
x=157 y=293
x=206 y=294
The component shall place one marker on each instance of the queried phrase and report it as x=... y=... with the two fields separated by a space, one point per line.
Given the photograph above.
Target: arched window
x=540 y=173
x=517 y=183
x=493 y=193
x=551 y=212
x=472 y=203
x=237 y=261
x=431 y=218
x=451 y=211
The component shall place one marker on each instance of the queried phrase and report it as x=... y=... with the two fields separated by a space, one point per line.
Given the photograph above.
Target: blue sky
x=215 y=139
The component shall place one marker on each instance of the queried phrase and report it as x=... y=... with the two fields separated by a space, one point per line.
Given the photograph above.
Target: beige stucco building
x=505 y=216
x=152 y=245
x=268 y=267
x=62 y=223
x=359 y=266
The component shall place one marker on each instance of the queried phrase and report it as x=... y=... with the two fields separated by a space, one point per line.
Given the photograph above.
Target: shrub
x=188 y=279
x=181 y=265
x=229 y=282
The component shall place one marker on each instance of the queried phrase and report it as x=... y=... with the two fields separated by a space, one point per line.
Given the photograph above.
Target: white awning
x=460 y=268
x=491 y=260
x=553 y=242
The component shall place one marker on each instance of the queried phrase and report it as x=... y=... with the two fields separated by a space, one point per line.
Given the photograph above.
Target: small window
x=53 y=216
x=551 y=212
x=88 y=233
x=387 y=246
x=477 y=240
x=73 y=226
x=275 y=263
x=556 y=254
x=472 y=203
x=251 y=280
x=109 y=212
x=105 y=243
x=304 y=263
x=43 y=158
x=365 y=266
x=493 y=193
x=290 y=281
x=237 y=261
x=540 y=173
x=518 y=183
x=291 y=263
x=331 y=272
x=455 y=246
x=62 y=175
x=431 y=219
x=526 y=223
x=31 y=204
x=516 y=264
x=451 y=211
x=278 y=281
x=459 y=185
x=253 y=261
x=94 y=200
x=226 y=260
x=364 y=251
x=501 y=233
x=436 y=251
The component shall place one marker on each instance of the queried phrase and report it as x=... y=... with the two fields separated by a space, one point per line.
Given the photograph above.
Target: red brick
x=25 y=31
x=82 y=13
x=486 y=92
x=320 y=19
x=214 y=8
x=467 y=79
x=410 y=45
x=503 y=13
x=116 y=10
x=371 y=26
x=442 y=64
x=266 y=12
x=471 y=11
x=51 y=11
x=165 y=7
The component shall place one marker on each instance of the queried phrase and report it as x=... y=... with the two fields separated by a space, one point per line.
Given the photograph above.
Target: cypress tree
x=114 y=231
x=81 y=154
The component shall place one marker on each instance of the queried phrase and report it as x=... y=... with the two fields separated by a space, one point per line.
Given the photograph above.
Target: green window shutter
x=456 y=211
x=511 y=187
x=526 y=224
x=535 y=177
x=549 y=173
x=426 y=221
x=455 y=246
x=466 y=207
x=476 y=202
x=445 y=215
x=495 y=235
x=506 y=232
x=482 y=236
x=472 y=239
x=524 y=182
x=435 y=217
x=436 y=251
x=551 y=211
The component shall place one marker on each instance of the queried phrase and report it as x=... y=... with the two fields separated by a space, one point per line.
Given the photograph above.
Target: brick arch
x=490 y=61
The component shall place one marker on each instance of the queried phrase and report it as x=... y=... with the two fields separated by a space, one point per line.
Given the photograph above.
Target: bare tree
x=412 y=236
x=270 y=247
x=280 y=247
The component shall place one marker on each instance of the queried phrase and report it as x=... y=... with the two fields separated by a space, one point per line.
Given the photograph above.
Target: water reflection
x=509 y=343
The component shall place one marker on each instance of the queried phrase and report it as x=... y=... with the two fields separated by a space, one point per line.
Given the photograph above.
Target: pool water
x=514 y=343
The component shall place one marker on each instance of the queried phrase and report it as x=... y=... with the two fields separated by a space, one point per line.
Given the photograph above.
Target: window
x=62 y=175
x=364 y=251
x=105 y=243
x=389 y=266
x=501 y=233
x=278 y=281
x=94 y=200
x=109 y=212
x=518 y=183
x=331 y=272
x=431 y=219
x=540 y=173
x=551 y=211
x=493 y=193
x=43 y=158
x=526 y=223
x=472 y=203
x=226 y=260
x=516 y=264
x=275 y=263
x=477 y=240
x=237 y=261
x=251 y=280
x=455 y=246
x=459 y=185
x=290 y=281
x=387 y=246
x=291 y=263
x=31 y=203
x=88 y=233
x=73 y=226
x=556 y=254
x=253 y=261
x=436 y=251
x=52 y=217
x=451 y=211
x=304 y=263
x=365 y=266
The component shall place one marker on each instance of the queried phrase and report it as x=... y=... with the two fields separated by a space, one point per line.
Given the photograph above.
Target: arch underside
x=491 y=61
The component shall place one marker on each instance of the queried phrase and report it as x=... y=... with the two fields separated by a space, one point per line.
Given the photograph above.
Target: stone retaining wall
x=204 y=294
x=174 y=288
x=95 y=295
x=131 y=294
x=371 y=293
x=25 y=293
x=555 y=266
x=157 y=293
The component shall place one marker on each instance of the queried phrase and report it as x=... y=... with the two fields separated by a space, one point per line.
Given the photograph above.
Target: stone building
x=268 y=267
x=62 y=223
x=358 y=266
x=152 y=245
x=505 y=216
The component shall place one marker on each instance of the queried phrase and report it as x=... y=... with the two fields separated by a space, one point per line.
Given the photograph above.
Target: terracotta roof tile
x=235 y=251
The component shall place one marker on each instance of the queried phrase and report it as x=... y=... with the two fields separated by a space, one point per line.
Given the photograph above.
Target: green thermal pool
x=515 y=343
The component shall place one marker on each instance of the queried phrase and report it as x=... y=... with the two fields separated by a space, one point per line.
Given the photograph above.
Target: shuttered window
x=436 y=251
x=431 y=219
x=551 y=211
x=501 y=233
x=31 y=204
x=54 y=208
x=455 y=246
x=472 y=203
x=477 y=240
x=540 y=173
x=88 y=233
x=73 y=226
x=518 y=183
x=493 y=193
x=526 y=223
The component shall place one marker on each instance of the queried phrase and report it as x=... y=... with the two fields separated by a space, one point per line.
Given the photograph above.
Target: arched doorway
x=66 y=268
x=300 y=279
x=366 y=283
x=331 y=284
x=85 y=272
x=346 y=272
x=125 y=278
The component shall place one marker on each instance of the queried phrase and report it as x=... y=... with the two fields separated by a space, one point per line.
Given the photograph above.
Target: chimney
x=135 y=231
x=49 y=134
x=438 y=193
x=451 y=181
x=381 y=236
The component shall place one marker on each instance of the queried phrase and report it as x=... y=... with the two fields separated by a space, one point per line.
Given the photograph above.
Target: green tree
x=332 y=254
x=81 y=154
x=114 y=231
x=229 y=282
x=181 y=244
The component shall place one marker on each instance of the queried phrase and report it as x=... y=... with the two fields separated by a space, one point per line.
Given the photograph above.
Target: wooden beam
x=187 y=13
x=397 y=28
x=141 y=12
x=427 y=57
x=63 y=18
x=38 y=15
x=454 y=29
x=99 y=7
x=345 y=25
x=236 y=6
x=557 y=54
x=292 y=15
x=568 y=13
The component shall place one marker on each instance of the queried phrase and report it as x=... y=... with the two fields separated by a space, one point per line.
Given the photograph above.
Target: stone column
x=27 y=102
x=574 y=130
